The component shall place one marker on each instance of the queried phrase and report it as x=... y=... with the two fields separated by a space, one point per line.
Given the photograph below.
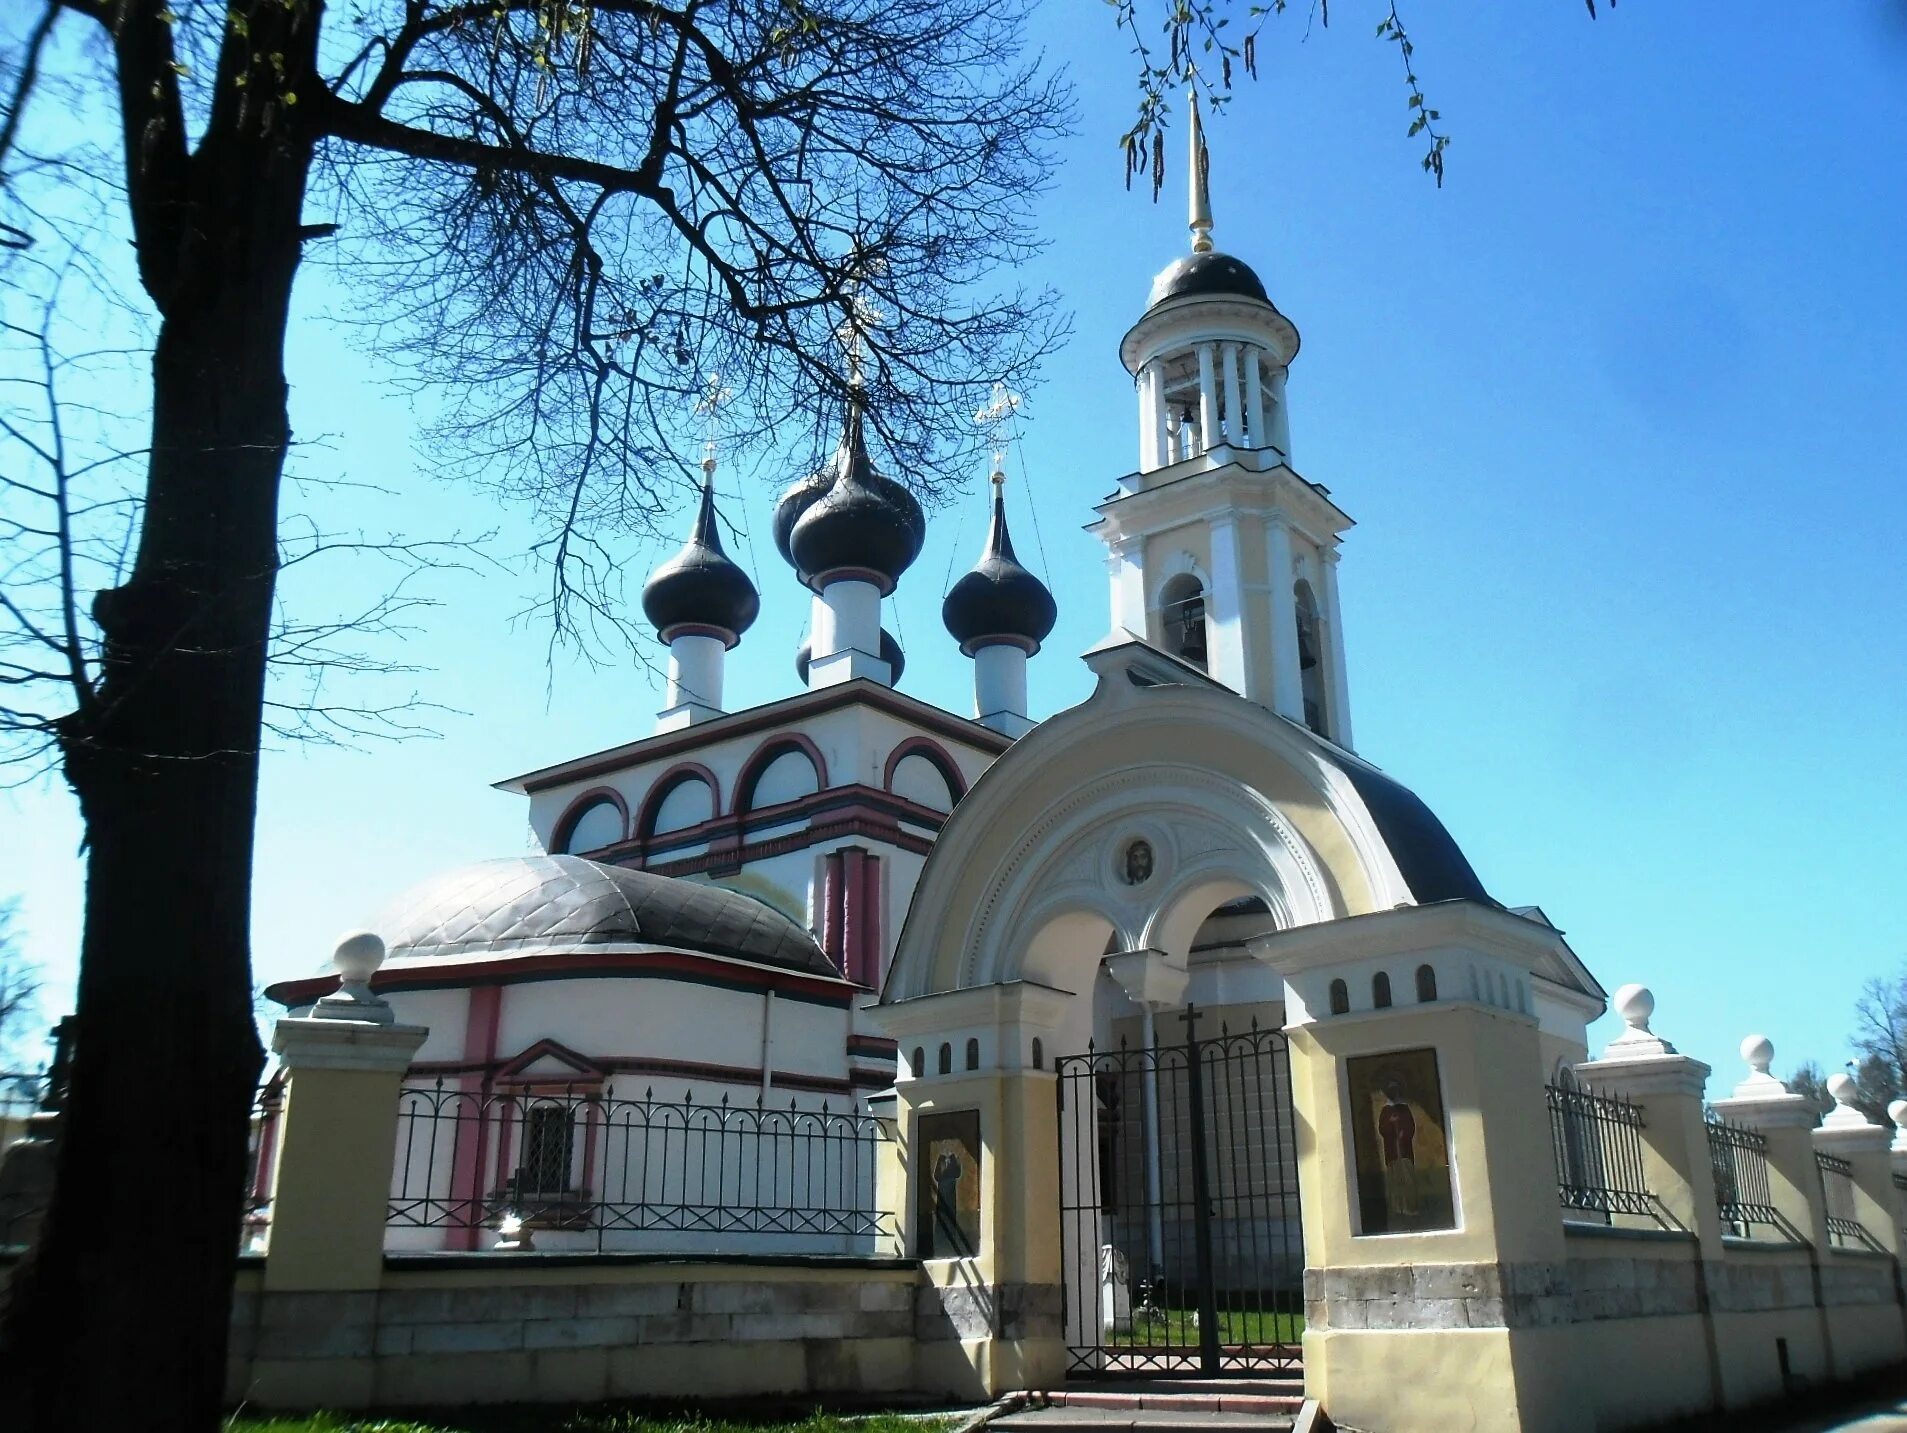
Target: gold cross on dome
x=714 y=395
x=995 y=420
x=862 y=317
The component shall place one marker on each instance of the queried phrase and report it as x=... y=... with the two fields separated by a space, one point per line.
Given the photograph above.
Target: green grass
x=1236 y=1327
x=597 y=1420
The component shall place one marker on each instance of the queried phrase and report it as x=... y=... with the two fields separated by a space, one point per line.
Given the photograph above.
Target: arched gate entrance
x=1182 y=1249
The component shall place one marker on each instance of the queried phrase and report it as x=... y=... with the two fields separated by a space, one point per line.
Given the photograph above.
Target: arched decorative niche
x=1200 y=894
x=594 y=820
x=920 y=770
x=1380 y=991
x=1182 y=603
x=1310 y=657
x=1426 y=984
x=784 y=768
x=917 y=1066
x=1039 y=1053
x=973 y=1053
x=945 y=1065
x=1340 y=998
x=683 y=796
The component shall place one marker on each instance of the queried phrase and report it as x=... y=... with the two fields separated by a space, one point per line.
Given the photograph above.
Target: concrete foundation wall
x=530 y=1328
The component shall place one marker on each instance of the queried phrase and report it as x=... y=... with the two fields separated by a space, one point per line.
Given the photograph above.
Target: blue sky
x=1619 y=412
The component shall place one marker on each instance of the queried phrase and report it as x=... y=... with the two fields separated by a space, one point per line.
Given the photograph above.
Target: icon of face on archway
x=1400 y=1144
x=1136 y=864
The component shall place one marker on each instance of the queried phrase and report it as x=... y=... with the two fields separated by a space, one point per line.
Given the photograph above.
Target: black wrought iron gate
x=1179 y=1228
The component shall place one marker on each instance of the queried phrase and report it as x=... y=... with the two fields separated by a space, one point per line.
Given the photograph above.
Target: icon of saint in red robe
x=1397 y=1129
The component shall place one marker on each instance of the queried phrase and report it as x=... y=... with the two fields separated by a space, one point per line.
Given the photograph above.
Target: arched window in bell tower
x=1310 y=659
x=1182 y=618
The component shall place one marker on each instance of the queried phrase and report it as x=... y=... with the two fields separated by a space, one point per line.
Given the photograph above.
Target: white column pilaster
x=695 y=681
x=1125 y=565
x=847 y=635
x=1254 y=399
x=1280 y=433
x=1287 y=686
x=1161 y=437
x=1142 y=396
x=1208 y=430
x=1338 y=682
x=1225 y=606
x=999 y=689
x=1234 y=398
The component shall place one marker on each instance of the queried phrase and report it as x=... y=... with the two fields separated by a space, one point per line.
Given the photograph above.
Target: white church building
x=845 y=1045
x=719 y=905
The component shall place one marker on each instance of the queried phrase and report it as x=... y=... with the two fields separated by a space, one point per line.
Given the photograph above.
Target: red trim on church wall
x=273 y=1107
x=832 y=910
x=959 y=729
x=690 y=1069
x=565 y=826
x=854 y=866
x=759 y=760
x=854 y=810
x=868 y=971
x=670 y=964
x=482 y=1019
x=936 y=753
x=645 y=827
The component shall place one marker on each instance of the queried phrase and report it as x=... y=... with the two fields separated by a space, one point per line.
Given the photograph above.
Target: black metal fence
x=581 y=1169
x=1845 y=1231
x=1739 y=1158
x=1180 y=1232
x=1597 y=1144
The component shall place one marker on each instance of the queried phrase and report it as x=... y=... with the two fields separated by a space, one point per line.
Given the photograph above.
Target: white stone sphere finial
x=1897 y=1112
x=1758 y=1052
x=1635 y=1004
x=357 y=956
x=1845 y=1114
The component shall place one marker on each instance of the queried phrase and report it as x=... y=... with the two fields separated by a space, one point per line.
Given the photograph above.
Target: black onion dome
x=863 y=524
x=1210 y=274
x=796 y=501
x=699 y=587
x=890 y=653
x=999 y=601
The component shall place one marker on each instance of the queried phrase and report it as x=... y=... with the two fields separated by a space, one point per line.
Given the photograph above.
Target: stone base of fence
x=442 y=1330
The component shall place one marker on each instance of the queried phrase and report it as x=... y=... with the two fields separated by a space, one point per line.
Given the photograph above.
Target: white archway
x=1231 y=800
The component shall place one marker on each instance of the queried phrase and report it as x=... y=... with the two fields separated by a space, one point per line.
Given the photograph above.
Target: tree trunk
x=119 y=1316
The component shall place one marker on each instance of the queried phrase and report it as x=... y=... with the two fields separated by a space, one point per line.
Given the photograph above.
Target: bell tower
x=1219 y=552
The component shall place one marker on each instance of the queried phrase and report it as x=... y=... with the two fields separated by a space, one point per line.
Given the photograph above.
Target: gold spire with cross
x=862 y=316
x=714 y=395
x=995 y=420
x=1200 y=169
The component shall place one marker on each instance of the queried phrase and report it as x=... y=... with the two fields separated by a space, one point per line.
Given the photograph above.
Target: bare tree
x=19 y=988
x=1181 y=44
x=572 y=211
x=1811 y=1084
x=1880 y=1033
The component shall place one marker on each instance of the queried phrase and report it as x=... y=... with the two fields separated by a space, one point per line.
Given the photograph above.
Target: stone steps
x=1142 y=1420
x=1259 y=1405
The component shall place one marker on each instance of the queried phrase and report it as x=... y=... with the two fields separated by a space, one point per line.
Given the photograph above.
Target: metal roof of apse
x=543 y=904
x=1427 y=855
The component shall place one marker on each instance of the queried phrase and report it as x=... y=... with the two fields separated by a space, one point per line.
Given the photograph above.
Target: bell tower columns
x=1217 y=550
